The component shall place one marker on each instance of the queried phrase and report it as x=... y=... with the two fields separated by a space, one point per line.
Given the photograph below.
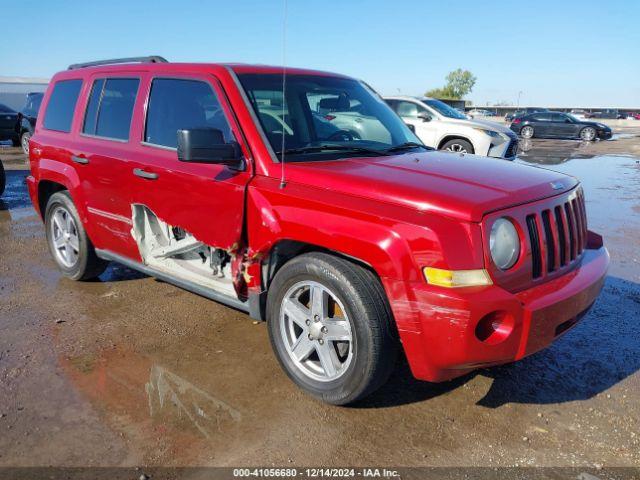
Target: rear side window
x=176 y=104
x=110 y=108
x=61 y=105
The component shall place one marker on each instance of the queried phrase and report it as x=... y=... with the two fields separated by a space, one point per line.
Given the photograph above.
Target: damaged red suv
x=311 y=205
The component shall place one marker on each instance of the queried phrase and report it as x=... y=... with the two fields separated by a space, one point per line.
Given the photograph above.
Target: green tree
x=459 y=83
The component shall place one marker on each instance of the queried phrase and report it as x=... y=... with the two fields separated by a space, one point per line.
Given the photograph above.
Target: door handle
x=138 y=172
x=80 y=160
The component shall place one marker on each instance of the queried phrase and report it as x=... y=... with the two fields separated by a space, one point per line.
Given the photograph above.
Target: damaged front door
x=187 y=217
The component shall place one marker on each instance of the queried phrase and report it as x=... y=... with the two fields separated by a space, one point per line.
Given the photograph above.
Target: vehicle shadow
x=602 y=350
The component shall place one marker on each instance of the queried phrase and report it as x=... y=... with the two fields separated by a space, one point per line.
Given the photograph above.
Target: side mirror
x=425 y=117
x=206 y=145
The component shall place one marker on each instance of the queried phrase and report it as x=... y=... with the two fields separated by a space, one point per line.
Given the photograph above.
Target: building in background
x=13 y=90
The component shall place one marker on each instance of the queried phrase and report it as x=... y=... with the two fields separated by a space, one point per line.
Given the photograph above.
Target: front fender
x=396 y=242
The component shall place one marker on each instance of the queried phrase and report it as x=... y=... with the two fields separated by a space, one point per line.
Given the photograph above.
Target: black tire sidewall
x=353 y=382
x=63 y=199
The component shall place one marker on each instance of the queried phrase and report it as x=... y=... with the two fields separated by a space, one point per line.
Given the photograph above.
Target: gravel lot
x=132 y=371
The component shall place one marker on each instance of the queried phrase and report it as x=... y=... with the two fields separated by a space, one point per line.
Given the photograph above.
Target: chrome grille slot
x=534 y=238
x=562 y=240
x=549 y=241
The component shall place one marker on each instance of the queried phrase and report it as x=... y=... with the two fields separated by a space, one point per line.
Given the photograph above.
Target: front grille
x=558 y=235
x=512 y=149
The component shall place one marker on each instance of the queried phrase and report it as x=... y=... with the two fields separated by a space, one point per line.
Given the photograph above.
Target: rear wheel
x=458 y=145
x=24 y=142
x=70 y=247
x=588 y=134
x=331 y=328
x=527 y=132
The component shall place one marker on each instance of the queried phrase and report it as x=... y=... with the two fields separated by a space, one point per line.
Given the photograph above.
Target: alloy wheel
x=457 y=148
x=526 y=132
x=588 y=134
x=64 y=235
x=316 y=331
x=24 y=142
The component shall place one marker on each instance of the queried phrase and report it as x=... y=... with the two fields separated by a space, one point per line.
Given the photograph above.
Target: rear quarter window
x=110 y=108
x=62 y=104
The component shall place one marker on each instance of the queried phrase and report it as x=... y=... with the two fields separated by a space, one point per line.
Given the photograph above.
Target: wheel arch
x=455 y=136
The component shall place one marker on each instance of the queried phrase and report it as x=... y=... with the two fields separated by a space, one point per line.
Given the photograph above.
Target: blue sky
x=560 y=53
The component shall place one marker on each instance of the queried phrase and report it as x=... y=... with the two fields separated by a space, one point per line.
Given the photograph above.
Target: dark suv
x=27 y=119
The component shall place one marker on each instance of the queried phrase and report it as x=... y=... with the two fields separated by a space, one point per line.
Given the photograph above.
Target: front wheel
x=68 y=242
x=588 y=134
x=458 y=145
x=331 y=328
x=527 y=132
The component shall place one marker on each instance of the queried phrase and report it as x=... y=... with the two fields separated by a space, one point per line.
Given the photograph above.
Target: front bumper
x=604 y=134
x=437 y=326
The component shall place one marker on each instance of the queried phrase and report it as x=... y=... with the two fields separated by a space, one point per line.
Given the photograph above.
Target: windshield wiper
x=328 y=147
x=407 y=146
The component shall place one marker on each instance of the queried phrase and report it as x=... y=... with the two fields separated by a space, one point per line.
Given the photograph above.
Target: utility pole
x=518 y=104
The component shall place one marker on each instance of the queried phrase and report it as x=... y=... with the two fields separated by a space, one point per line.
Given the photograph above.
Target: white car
x=442 y=127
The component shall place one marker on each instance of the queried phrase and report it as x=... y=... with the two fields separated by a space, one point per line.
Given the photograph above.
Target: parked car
x=523 y=111
x=442 y=127
x=8 y=119
x=350 y=249
x=559 y=125
x=27 y=119
x=479 y=112
x=608 y=113
x=580 y=114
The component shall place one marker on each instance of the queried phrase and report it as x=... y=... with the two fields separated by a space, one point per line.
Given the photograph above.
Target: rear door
x=103 y=155
x=542 y=124
x=205 y=201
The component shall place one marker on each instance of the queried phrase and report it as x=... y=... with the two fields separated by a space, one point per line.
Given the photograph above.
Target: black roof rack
x=113 y=61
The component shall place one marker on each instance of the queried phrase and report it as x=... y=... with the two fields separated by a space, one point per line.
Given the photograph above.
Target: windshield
x=444 y=109
x=319 y=112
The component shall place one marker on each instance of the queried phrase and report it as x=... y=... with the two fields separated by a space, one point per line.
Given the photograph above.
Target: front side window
x=110 y=108
x=61 y=106
x=179 y=104
x=319 y=114
x=444 y=109
x=5 y=109
x=409 y=109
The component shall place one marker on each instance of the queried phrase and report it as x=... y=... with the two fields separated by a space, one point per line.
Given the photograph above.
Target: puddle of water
x=612 y=193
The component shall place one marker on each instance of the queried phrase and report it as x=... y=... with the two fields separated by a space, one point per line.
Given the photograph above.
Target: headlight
x=504 y=244
x=491 y=133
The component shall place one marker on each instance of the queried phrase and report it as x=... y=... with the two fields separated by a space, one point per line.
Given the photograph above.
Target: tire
x=3 y=179
x=527 y=131
x=588 y=134
x=80 y=261
x=24 y=142
x=360 y=365
x=458 y=145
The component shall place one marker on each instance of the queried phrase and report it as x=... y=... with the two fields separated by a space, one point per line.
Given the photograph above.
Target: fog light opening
x=494 y=327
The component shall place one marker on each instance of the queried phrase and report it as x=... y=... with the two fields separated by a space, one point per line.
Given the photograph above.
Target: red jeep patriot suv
x=310 y=204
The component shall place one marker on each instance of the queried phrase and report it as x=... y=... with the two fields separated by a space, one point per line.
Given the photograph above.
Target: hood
x=486 y=124
x=459 y=186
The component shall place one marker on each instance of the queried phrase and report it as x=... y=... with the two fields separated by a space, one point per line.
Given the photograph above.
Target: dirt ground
x=130 y=371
